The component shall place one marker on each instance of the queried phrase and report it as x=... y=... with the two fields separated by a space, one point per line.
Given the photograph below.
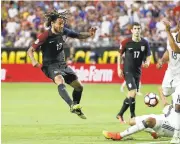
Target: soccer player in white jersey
x=171 y=81
x=158 y=125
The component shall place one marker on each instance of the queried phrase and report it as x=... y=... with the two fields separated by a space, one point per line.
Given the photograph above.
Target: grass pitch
x=34 y=113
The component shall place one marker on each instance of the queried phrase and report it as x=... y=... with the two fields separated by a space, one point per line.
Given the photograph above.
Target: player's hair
x=136 y=24
x=54 y=15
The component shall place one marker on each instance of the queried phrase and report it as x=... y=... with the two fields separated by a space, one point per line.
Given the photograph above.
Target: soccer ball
x=151 y=99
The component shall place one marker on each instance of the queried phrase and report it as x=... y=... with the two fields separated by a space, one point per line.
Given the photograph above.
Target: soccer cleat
x=154 y=135
x=77 y=110
x=121 y=120
x=175 y=140
x=112 y=135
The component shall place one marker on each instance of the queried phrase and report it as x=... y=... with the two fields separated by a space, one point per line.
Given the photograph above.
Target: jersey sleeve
x=70 y=33
x=122 y=47
x=40 y=40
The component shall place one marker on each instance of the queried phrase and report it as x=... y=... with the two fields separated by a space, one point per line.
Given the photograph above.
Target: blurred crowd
x=23 y=21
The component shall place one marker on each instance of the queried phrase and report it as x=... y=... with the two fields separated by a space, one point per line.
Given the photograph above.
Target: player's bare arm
x=163 y=60
x=84 y=35
x=119 y=69
x=147 y=62
x=30 y=53
x=172 y=42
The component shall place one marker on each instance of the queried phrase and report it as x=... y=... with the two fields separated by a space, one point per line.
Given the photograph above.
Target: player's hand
x=120 y=73
x=159 y=64
x=167 y=25
x=92 y=31
x=145 y=64
x=36 y=64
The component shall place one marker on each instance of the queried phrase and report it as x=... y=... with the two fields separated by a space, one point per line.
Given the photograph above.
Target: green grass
x=34 y=113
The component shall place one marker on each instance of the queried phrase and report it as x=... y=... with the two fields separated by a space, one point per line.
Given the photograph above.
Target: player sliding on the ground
x=54 y=65
x=158 y=125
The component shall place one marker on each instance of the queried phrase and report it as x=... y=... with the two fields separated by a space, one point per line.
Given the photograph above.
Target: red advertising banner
x=98 y=73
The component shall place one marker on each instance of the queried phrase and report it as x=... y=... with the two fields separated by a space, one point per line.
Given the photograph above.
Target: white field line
x=156 y=142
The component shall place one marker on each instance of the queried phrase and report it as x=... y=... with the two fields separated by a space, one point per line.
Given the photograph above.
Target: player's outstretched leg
x=64 y=94
x=77 y=93
x=133 y=121
x=123 y=109
x=112 y=135
x=149 y=122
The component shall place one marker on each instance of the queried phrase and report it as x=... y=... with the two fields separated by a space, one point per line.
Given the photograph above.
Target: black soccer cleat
x=77 y=110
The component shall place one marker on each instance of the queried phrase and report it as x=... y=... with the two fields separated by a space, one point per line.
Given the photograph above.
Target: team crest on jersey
x=142 y=48
x=129 y=85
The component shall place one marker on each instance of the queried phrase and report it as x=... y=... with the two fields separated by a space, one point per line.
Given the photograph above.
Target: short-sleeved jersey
x=135 y=54
x=52 y=46
x=174 y=58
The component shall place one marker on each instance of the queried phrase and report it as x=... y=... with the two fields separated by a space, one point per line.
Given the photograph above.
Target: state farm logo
x=92 y=74
x=3 y=74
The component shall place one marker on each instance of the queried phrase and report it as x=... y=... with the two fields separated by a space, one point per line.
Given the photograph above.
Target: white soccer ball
x=151 y=99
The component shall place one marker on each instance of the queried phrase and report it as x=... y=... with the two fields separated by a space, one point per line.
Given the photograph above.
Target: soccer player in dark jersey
x=54 y=66
x=137 y=53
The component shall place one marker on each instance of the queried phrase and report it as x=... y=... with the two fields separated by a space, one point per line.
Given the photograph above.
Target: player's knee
x=79 y=88
x=177 y=108
x=132 y=93
x=59 y=80
x=150 y=122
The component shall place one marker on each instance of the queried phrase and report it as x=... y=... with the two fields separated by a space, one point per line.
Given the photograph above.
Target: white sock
x=177 y=124
x=133 y=129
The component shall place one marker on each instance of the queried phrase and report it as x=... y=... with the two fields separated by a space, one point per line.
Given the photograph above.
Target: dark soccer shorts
x=132 y=81
x=52 y=70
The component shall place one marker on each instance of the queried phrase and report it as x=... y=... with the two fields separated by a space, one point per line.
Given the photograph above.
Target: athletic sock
x=133 y=129
x=177 y=124
x=64 y=94
x=76 y=96
x=132 y=106
x=124 y=107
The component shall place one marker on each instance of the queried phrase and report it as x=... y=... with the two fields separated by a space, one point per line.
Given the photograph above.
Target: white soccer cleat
x=175 y=140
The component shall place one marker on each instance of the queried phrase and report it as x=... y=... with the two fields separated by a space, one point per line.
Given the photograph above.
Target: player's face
x=58 y=25
x=136 y=31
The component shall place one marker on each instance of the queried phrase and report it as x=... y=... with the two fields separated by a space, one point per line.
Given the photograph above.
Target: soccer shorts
x=170 y=82
x=132 y=82
x=52 y=70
